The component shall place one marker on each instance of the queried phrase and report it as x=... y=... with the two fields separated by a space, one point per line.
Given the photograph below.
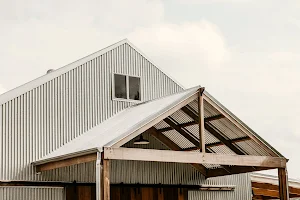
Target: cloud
x=185 y=46
x=38 y=36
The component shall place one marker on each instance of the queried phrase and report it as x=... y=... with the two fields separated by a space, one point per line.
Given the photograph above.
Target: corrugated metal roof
x=126 y=122
x=119 y=126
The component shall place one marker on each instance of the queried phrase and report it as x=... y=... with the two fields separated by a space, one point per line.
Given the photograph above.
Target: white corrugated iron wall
x=45 y=118
x=241 y=182
x=32 y=193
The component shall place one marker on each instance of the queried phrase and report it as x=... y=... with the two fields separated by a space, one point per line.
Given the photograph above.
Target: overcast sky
x=245 y=52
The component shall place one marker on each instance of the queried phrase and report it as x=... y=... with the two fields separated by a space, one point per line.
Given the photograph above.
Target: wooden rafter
x=265 y=193
x=207 y=119
x=173 y=146
x=268 y=186
x=66 y=162
x=241 y=139
x=212 y=118
x=213 y=131
x=183 y=132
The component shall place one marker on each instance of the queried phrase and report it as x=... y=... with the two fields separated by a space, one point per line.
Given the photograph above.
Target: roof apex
x=11 y=94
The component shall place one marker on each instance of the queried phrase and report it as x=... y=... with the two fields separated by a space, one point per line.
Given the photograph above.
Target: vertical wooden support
x=106 y=182
x=283 y=184
x=201 y=119
x=99 y=182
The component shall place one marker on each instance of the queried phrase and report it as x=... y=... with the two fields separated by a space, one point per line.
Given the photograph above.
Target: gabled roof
x=7 y=96
x=225 y=134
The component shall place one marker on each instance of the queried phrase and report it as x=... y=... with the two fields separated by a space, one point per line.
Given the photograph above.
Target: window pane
x=134 y=88
x=120 y=86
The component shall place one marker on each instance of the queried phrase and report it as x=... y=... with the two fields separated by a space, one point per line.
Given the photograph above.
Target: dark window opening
x=134 y=88
x=120 y=86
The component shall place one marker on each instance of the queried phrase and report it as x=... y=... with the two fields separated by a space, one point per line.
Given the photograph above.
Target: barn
x=112 y=125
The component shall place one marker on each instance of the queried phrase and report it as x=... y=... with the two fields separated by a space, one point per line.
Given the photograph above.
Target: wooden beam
x=215 y=132
x=164 y=139
x=106 y=180
x=66 y=162
x=215 y=117
x=183 y=132
x=266 y=193
x=241 y=139
x=292 y=190
x=234 y=170
x=201 y=120
x=192 y=157
x=283 y=184
x=173 y=146
x=207 y=119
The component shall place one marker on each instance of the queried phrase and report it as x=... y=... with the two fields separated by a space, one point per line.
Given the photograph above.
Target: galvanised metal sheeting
x=241 y=182
x=32 y=193
x=50 y=115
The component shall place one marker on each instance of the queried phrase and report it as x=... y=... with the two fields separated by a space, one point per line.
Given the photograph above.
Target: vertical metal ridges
x=45 y=118
x=31 y=193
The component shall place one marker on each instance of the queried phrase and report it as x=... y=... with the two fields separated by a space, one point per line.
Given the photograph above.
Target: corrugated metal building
x=39 y=118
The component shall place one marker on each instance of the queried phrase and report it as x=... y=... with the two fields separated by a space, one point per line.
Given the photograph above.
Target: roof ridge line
x=15 y=92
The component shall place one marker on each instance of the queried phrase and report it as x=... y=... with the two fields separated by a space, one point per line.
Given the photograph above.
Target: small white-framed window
x=126 y=87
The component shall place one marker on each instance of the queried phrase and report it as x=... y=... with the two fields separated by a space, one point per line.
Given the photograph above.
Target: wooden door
x=80 y=192
x=148 y=193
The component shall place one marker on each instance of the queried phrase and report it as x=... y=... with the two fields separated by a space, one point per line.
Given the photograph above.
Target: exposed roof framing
x=183 y=132
x=209 y=145
x=207 y=119
x=189 y=136
x=164 y=119
x=214 y=131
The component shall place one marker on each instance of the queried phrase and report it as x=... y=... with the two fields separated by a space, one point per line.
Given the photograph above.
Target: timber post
x=99 y=176
x=201 y=119
x=106 y=179
x=283 y=184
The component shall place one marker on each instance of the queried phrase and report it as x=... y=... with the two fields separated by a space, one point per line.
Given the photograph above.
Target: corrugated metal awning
x=224 y=134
